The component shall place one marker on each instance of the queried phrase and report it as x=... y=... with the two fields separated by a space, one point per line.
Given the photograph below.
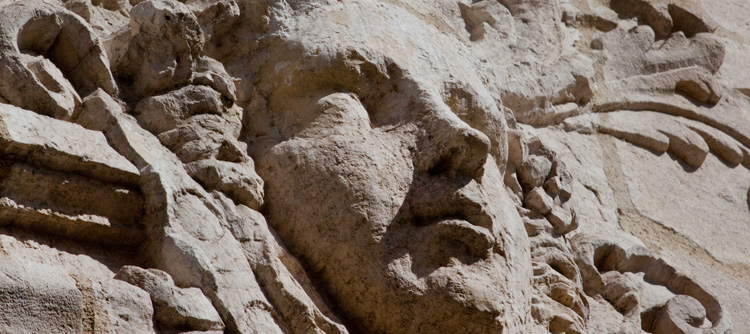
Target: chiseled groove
x=652 y=232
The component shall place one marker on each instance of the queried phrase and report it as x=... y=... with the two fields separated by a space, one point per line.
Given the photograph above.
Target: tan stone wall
x=362 y=166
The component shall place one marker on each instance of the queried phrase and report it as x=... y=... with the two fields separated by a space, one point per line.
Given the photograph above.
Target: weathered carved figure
x=363 y=166
x=393 y=202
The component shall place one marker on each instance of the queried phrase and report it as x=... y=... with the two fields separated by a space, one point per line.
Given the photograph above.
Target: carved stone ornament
x=364 y=166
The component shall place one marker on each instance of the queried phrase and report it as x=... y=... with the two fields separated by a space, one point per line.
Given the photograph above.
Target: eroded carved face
x=377 y=182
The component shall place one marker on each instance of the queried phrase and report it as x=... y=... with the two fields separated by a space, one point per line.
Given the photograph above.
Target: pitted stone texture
x=122 y=308
x=38 y=298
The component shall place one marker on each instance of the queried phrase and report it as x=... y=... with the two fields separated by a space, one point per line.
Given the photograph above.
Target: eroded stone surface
x=42 y=293
x=173 y=307
x=451 y=166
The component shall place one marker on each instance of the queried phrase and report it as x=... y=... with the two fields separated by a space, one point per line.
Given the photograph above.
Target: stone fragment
x=238 y=181
x=167 y=40
x=687 y=145
x=484 y=15
x=559 y=182
x=210 y=72
x=203 y=138
x=174 y=307
x=65 y=101
x=82 y=8
x=720 y=144
x=534 y=171
x=681 y=315
x=215 y=17
x=701 y=91
x=562 y=220
x=63 y=146
x=165 y=112
x=539 y=201
x=122 y=308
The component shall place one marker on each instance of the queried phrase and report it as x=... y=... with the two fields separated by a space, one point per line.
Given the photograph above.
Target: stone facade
x=363 y=166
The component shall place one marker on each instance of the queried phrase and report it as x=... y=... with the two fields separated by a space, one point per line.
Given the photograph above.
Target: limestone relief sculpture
x=363 y=166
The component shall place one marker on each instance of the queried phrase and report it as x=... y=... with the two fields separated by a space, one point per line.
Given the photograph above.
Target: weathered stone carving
x=363 y=166
x=50 y=57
